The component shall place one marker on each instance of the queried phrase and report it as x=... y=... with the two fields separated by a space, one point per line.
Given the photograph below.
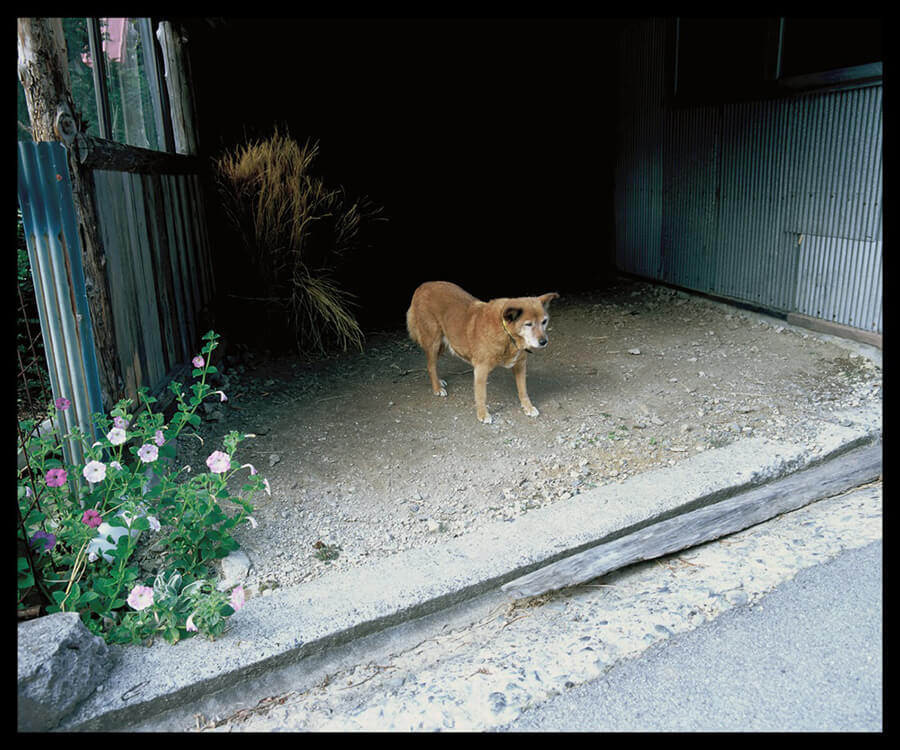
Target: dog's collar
x=503 y=323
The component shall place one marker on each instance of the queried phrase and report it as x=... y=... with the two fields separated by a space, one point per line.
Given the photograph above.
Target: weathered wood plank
x=705 y=524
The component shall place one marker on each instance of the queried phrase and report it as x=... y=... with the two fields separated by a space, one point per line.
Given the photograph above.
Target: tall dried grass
x=296 y=232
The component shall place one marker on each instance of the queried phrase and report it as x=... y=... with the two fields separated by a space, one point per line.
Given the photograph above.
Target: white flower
x=116 y=436
x=148 y=453
x=94 y=472
x=252 y=521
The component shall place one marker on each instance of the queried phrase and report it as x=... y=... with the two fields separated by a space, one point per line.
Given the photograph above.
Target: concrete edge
x=335 y=609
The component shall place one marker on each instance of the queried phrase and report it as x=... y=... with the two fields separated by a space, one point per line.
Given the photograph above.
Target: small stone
x=634 y=351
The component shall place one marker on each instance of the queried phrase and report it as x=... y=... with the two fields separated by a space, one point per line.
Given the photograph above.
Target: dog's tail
x=411 y=326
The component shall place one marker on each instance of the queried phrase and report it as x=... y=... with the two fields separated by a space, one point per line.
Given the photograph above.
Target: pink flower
x=116 y=436
x=140 y=597
x=148 y=453
x=120 y=422
x=62 y=403
x=222 y=396
x=218 y=462
x=55 y=477
x=159 y=438
x=189 y=625
x=237 y=597
x=197 y=361
x=94 y=472
x=92 y=518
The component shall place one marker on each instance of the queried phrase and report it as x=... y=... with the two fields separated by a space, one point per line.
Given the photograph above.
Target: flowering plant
x=77 y=544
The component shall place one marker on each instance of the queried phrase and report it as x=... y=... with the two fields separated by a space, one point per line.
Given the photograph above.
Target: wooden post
x=173 y=41
x=44 y=73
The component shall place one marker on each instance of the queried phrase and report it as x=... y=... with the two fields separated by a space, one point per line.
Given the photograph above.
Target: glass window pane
x=131 y=110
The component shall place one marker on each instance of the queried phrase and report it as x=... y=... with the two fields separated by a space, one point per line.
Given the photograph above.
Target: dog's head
x=527 y=319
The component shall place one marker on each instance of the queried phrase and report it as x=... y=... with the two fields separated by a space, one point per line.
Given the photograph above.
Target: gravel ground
x=363 y=461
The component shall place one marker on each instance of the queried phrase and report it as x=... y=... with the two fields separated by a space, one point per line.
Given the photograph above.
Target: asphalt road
x=807 y=657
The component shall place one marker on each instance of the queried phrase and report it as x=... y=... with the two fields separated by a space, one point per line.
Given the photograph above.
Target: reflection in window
x=132 y=120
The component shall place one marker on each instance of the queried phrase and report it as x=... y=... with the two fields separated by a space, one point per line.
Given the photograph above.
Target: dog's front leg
x=519 y=372
x=481 y=374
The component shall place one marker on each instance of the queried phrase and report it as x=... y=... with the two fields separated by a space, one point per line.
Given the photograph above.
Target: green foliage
x=77 y=544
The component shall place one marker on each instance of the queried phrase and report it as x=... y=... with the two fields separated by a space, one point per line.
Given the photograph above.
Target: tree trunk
x=44 y=73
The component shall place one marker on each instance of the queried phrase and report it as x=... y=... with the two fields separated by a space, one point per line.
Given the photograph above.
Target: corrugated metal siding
x=742 y=184
x=159 y=270
x=54 y=254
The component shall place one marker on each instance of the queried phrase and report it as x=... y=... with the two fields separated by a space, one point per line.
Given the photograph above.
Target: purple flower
x=218 y=462
x=159 y=438
x=62 y=403
x=120 y=422
x=198 y=361
x=55 y=477
x=43 y=538
x=148 y=453
x=94 y=472
x=92 y=518
x=140 y=597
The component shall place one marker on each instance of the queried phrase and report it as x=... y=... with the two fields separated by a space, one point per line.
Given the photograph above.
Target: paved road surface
x=776 y=627
x=807 y=657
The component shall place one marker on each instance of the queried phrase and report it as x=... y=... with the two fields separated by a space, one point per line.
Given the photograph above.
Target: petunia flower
x=120 y=422
x=237 y=597
x=148 y=453
x=47 y=540
x=218 y=462
x=189 y=625
x=92 y=518
x=116 y=436
x=198 y=361
x=140 y=597
x=55 y=477
x=222 y=396
x=159 y=438
x=62 y=403
x=94 y=472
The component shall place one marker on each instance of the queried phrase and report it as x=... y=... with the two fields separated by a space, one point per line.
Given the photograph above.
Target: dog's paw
x=486 y=419
x=531 y=411
x=442 y=392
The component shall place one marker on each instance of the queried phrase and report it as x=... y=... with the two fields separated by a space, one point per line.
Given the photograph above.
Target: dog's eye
x=545 y=321
x=529 y=323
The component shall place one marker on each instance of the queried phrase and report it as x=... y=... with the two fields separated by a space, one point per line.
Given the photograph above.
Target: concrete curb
x=292 y=624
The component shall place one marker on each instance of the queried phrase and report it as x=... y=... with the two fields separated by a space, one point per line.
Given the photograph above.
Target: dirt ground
x=363 y=461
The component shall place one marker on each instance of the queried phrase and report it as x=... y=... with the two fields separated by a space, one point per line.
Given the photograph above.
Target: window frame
x=155 y=78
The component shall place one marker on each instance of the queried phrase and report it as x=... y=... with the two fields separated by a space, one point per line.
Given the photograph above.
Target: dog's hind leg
x=432 y=353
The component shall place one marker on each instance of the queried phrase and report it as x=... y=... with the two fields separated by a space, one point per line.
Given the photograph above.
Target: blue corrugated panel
x=777 y=203
x=54 y=251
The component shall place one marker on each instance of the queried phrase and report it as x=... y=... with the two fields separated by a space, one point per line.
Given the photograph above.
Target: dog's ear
x=511 y=314
x=545 y=298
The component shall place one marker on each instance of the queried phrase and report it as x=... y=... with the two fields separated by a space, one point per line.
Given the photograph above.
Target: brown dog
x=484 y=334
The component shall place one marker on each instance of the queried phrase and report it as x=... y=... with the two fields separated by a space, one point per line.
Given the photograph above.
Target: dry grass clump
x=296 y=233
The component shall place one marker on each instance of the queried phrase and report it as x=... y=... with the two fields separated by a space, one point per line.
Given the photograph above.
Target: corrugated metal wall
x=776 y=203
x=153 y=230
x=54 y=254
x=158 y=264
